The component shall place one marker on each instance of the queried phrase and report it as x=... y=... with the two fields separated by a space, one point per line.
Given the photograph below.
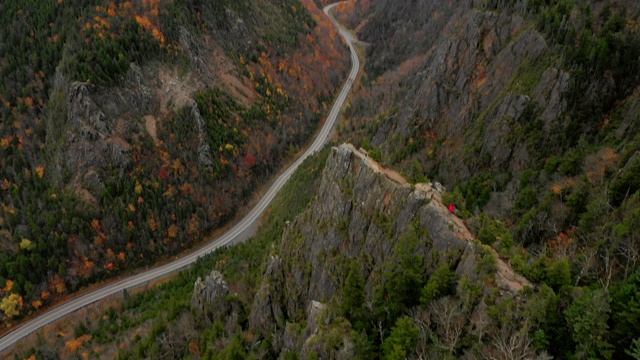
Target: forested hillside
x=527 y=112
x=130 y=130
x=521 y=115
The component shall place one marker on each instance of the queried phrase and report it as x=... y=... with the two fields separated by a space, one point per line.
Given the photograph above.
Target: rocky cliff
x=365 y=213
x=527 y=112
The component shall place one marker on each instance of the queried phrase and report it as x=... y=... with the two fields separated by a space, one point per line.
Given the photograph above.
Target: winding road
x=239 y=232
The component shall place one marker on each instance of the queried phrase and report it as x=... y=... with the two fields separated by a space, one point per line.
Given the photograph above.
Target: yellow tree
x=11 y=305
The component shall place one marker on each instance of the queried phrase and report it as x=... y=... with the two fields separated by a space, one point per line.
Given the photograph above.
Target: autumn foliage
x=166 y=198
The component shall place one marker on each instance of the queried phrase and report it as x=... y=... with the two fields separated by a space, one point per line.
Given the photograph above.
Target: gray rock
x=205 y=157
x=267 y=313
x=361 y=212
x=210 y=296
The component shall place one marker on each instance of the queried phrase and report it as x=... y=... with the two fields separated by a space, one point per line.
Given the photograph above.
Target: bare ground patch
x=151 y=126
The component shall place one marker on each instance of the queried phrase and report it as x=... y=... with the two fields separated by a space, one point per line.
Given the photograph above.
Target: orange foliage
x=192 y=228
x=95 y=224
x=57 y=284
x=8 y=286
x=98 y=241
x=87 y=268
x=29 y=102
x=563 y=241
x=143 y=22
x=74 y=345
x=121 y=256
x=158 y=35
x=153 y=225
x=194 y=347
x=172 y=232
x=185 y=188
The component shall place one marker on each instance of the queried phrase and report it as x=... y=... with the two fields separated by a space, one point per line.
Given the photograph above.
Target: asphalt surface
x=239 y=232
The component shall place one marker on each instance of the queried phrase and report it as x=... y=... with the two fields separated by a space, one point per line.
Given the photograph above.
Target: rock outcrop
x=210 y=296
x=362 y=212
x=464 y=91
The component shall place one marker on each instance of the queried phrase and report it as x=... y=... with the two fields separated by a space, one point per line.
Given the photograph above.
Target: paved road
x=237 y=233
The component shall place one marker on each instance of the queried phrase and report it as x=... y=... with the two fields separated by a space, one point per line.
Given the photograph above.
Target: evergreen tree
x=353 y=296
x=439 y=284
x=402 y=340
x=588 y=317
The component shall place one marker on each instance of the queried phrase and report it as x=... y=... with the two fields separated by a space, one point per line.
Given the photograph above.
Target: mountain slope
x=368 y=226
x=526 y=112
x=144 y=126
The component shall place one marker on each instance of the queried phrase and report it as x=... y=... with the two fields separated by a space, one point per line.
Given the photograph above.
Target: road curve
x=227 y=238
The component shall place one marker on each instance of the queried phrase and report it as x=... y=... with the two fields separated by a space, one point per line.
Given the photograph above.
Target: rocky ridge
x=362 y=211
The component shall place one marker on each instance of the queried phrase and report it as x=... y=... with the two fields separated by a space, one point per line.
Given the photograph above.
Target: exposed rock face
x=98 y=125
x=466 y=72
x=209 y=296
x=205 y=158
x=472 y=80
x=267 y=306
x=361 y=212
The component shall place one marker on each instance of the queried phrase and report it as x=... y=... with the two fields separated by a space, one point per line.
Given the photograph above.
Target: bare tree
x=480 y=323
x=588 y=264
x=509 y=345
x=609 y=263
x=450 y=319
x=422 y=321
x=630 y=251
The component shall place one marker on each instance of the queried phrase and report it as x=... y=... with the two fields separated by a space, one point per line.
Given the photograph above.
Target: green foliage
x=416 y=174
x=353 y=297
x=571 y=162
x=492 y=231
x=469 y=292
x=403 y=278
x=376 y=154
x=439 y=284
x=399 y=345
x=634 y=351
x=558 y=274
x=235 y=350
x=551 y=164
x=626 y=183
x=104 y=59
x=625 y=308
x=456 y=198
x=80 y=329
x=477 y=191
x=578 y=198
x=527 y=199
x=211 y=334
x=541 y=315
x=588 y=316
x=487 y=263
